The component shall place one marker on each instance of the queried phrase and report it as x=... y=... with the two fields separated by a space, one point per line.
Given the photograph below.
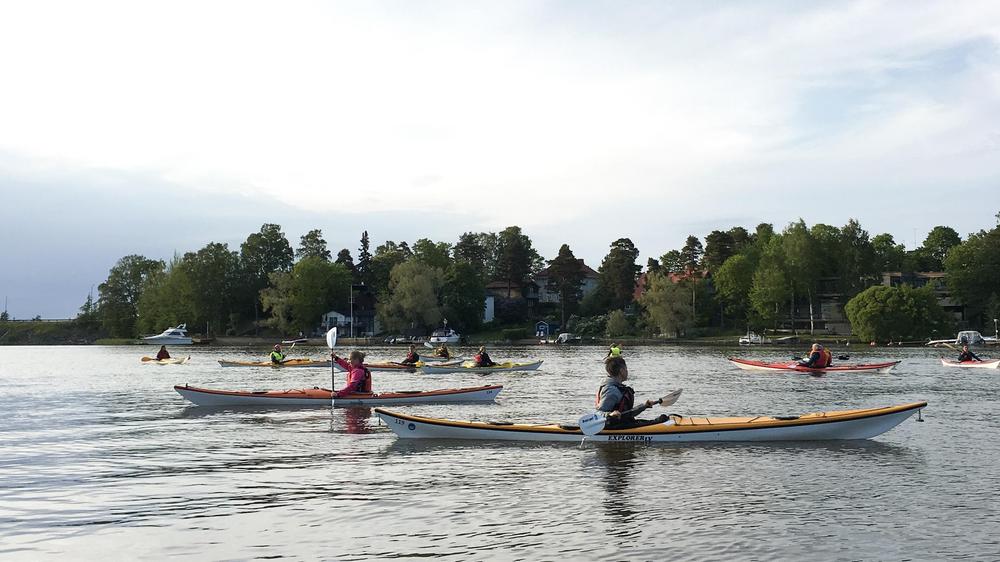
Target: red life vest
x=826 y=358
x=623 y=405
x=411 y=357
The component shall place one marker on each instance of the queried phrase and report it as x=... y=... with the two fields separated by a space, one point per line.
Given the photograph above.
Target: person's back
x=162 y=354
x=442 y=352
x=617 y=400
x=816 y=358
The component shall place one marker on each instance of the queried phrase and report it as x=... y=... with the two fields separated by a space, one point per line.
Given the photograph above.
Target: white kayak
x=433 y=359
x=170 y=361
x=992 y=364
x=470 y=367
x=844 y=424
x=322 y=397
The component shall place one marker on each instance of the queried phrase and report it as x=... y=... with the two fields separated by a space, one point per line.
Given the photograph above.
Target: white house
x=488 y=309
x=335 y=319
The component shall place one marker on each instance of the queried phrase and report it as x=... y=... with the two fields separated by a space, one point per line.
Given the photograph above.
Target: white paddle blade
x=428 y=345
x=331 y=338
x=671 y=398
x=592 y=424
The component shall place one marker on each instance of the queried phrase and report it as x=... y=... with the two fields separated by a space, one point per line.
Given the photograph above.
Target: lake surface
x=101 y=459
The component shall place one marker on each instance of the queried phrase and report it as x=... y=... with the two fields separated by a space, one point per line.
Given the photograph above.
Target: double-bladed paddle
x=592 y=424
x=331 y=342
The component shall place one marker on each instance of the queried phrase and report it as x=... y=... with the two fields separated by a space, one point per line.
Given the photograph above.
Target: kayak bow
x=846 y=424
x=751 y=365
x=322 y=397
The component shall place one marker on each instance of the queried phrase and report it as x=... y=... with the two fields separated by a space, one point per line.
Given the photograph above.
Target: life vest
x=826 y=358
x=623 y=405
x=277 y=357
x=411 y=357
x=616 y=351
x=483 y=360
x=366 y=385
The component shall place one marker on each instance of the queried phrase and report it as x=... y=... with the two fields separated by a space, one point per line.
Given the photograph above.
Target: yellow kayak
x=171 y=361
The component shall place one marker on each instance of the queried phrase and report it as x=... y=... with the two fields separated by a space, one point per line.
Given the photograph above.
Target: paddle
x=592 y=424
x=428 y=345
x=839 y=358
x=331 y=342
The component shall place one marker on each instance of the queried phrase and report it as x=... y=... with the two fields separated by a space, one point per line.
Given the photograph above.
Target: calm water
x=100 y=458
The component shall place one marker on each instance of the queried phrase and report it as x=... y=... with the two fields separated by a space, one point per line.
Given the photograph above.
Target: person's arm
x=610 y=397
x=974 y=356
x=340 y=361
x=813 y=358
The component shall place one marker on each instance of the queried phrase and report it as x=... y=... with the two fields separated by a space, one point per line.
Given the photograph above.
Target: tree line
x=737 y=278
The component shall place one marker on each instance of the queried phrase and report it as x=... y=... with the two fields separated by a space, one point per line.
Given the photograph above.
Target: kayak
x=469 y=367
x=844 y=424
x=386 y=366
x=751 y=365
x=171 y=361
x=433 y=359
x=322 y=397
x=994 y=364
x=286 y=363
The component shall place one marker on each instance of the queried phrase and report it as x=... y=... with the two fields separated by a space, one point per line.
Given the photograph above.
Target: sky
x=155 y=128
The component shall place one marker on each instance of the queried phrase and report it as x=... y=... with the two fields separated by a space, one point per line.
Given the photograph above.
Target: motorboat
x=966 y=337
x=445 y=335
x=753 y=338
x=170 y=336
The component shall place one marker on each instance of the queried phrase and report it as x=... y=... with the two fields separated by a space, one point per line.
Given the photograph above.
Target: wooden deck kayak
x=750 y=365
x=843 y=424
x=322 y=397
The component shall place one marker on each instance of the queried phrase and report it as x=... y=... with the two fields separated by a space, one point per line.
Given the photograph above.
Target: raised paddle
x=592 y=424
x=428 y=345
x=331 y=342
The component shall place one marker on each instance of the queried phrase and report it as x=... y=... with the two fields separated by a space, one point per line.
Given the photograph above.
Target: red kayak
x=751 y=365
x=323 y=397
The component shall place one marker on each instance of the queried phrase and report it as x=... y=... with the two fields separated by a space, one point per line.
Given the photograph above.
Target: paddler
x=162 y=353
x=276 y=354
x=411 y=357
x=614 y=351
x=442 y=352
x=819 y=358
x=614 y=398
x=482 y=358
x=359 y=378
x=967 y=355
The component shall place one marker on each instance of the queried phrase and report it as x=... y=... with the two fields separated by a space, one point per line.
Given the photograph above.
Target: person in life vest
x=277 y=356
x=614 y=351
x=411 y=357
x=162 y=353
x=819 y=358
x=967 y=355
x=616 y=399
x=442 y=352
x=359 y=378
x=483 y=359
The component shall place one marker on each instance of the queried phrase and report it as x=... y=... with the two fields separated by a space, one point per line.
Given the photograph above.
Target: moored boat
x=170 y=336
x=751 y=365
x=844 y=424
x=985 y=364
x=469 y=367
x=322 y=397
x=288 y=363
x=170 y=361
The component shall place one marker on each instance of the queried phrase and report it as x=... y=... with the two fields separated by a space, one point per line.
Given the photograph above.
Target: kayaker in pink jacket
x=359 y=378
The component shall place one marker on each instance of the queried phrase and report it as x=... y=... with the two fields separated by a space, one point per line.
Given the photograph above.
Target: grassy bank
x=47 y=333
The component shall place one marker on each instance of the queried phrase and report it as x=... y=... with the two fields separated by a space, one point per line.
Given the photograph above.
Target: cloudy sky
x=137 y=127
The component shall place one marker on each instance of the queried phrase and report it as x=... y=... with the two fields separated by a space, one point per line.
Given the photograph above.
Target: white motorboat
x=445 y=335
x=170 y=336
x=967 y=337
x=753 y=338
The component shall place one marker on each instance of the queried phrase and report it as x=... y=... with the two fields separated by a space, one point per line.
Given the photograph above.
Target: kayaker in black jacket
x=163 y=353
x=483 y=359
x=615 y=398
x=967 y=355
x=411 y=357
x=442 y=352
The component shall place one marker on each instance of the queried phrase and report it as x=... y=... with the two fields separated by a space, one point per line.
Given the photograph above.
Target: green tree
x=770 y=289
x=672 y=262
x=214 y=273
x=566 y=278
x=889 y=256
x=478 y=250
x=463 y=297
x=973 y=269
x=740 y=237
x=263 y=253
x=691 y=253
x=89 y=317
x=719 y=246
x=432 y=254
x=857 y=259
x=298 y=299
x=387 y=256
x=412 y=298
x=167 y=299
x=364 y=267
x=517 y=259
x=312 y=244
x=118 y=296
x=618 y=274
x=882 y=313
x=733 y=282
x=930 y=256
x=344 y=258
x=617 y=325
x=668 y=305
x=801 y=264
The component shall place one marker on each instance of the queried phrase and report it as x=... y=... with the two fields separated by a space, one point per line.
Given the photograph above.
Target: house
x=936 y=279
x=545 y=329
x=505 y=290
x=489 y=309
x=541 y=282
x=335 y=319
